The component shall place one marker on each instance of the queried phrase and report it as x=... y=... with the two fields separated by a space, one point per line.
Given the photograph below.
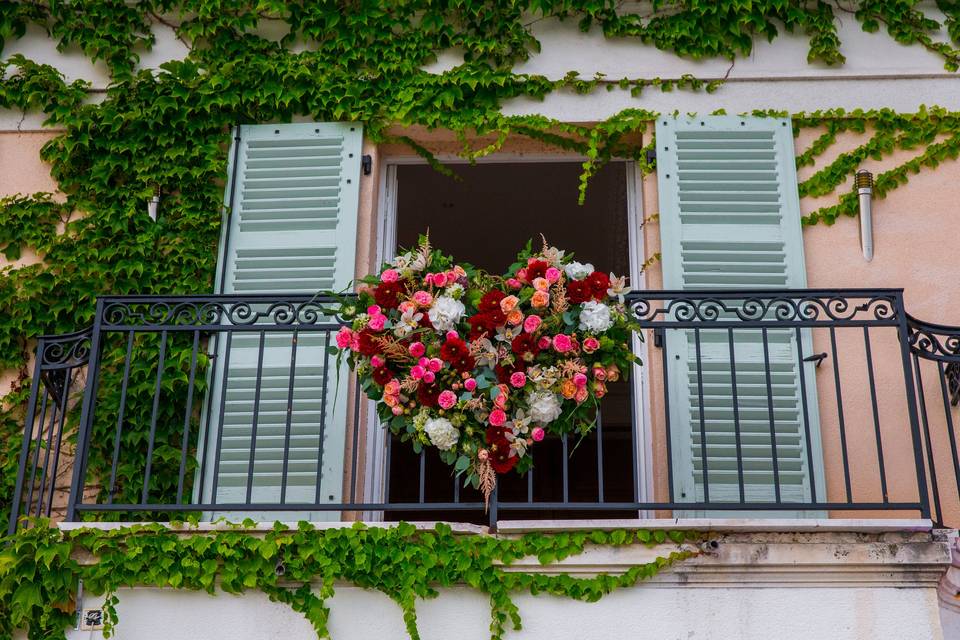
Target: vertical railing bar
x=67 y=379
x=184 y=444
x=937 y=512
x=703 y=417
x=386 y=465
x=56 y=453
x=806 y=417
x=666 y=414
x=46 y=455
x=566 y=470
x=323 y=411
x=634 y=428
x=27 y=438
x=530 y=485
x=599 y=456
x=773 y=426
x=286 y=435
x=356 y=440
x=903 y=333
x=953 y=439
x=257 y=387
x=223 y=406
x=423 y=475
x=36 y=453
x=86 y=416
x=120 y=413
x=842 y=426
x=153 y=418
x=736 y=414
x=456 y=488
x=876 y=413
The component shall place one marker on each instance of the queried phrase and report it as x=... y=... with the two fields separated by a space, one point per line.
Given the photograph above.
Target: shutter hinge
x=658 y=337
x=366 y=163
x=817 y=357
x=651 y=156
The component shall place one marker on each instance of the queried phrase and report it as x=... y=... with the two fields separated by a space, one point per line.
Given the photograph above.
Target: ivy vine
x=40 y=569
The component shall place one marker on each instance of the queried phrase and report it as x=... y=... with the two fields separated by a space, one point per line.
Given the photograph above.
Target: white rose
x=544 y=406
x=442 y=433
x=445 y=313
x=595 y=317
x=578 y=270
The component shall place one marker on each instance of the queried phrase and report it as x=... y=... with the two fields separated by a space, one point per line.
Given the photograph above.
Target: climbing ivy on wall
x=40 y=568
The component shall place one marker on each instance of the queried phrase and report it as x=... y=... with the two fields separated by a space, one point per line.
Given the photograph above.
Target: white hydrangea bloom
x=595 y=317
x=445 y=313
x=577 y=270
x=442 y=433
x=544 y=406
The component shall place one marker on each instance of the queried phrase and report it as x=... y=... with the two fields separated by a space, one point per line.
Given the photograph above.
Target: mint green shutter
x=730 y=219
x=292 y=230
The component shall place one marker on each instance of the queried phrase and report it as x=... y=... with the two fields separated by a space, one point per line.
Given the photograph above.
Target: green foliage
x=39 y=568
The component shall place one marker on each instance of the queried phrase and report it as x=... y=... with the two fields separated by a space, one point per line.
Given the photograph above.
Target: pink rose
x=497 y=417
x=377 y=323
x=423 y=362
x=581 y=394
x=599 y=372
x=591 y=344
x=344 y=337
x=376 y=362
x=422 y=298
x=416 y=372
x=541 y=284
x=429 y=377
x=406 y=306
x=447 y=399
x=390 y=275
x=417 y=349
x=469 y=384
x=452 y=276
x=500 y=401
x=522 y=275
x=374 y=310
x=544 y=343
x=513 y=283
x=552 y=275
x=537 y=434
x=439 y=279
x=580 y=379
x=519 y=378
x=435 y=364
x=562 y=343
x=532 y=323
x=452 y=335
x=599 y=389
x=397 y=410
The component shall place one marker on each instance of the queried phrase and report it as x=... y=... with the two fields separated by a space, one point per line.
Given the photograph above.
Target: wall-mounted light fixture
x=153 y=205
x=864 y=184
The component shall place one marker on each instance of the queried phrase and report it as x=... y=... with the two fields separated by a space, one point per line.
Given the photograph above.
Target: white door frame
x=386 y=227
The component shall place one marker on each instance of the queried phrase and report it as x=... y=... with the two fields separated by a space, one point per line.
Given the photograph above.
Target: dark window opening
x=485 y=218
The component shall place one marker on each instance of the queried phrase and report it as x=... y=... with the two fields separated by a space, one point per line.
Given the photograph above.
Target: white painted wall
x=761 y=612
x=878 y=73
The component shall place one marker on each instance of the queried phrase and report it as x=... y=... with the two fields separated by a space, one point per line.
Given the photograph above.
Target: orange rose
x=613 y=373
x=509 y=303
x=540 y=299
x=541 y=284
x=568 y=389
x=515 y=317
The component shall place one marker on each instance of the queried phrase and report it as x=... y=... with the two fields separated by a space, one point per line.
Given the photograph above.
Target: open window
x=485 y=217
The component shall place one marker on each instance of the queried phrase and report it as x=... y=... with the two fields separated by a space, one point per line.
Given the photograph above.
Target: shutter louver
x=729 y=218
x=292 y=231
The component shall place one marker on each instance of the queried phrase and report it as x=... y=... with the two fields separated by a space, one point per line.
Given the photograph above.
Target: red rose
x=491 y=300
x=525 y=346
x=578 y=291
x=387 y=294
x=536 y=269
x=366 y=344
x=383 y=375
x=598 y=283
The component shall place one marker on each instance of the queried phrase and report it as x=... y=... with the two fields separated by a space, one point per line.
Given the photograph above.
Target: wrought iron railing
x=803 y=403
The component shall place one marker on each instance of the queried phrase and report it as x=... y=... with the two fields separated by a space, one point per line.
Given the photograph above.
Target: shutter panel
x=730 y=219
x=292 y=230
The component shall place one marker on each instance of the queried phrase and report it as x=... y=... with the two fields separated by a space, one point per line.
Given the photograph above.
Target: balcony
x=804 y=404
